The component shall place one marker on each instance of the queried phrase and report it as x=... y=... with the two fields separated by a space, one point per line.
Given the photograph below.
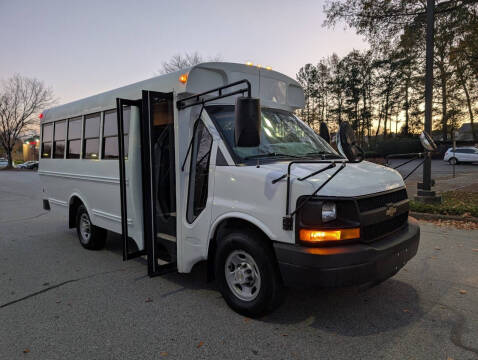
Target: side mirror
x=347 y=145
x=427 y=142
x=324 y=132
x=247 y=131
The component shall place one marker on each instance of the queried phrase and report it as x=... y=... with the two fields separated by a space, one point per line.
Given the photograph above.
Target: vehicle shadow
x=351 y=311
x=347 y=311
x=195 y=280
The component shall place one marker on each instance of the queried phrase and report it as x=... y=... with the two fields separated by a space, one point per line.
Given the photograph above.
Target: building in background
x=25 y=149
x=31 y=146
x=465 y=134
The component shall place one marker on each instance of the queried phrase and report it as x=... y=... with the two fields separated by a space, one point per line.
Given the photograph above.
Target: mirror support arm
x=415 y=157
x=196 y=99
x=415 y=168
x=317 y=190
x=287 y=219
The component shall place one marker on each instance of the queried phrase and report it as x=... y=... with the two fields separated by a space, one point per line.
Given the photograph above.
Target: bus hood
x=355 y=179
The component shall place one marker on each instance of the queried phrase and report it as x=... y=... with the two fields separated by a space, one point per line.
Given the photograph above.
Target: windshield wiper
x=271 y=154
x=323 y=153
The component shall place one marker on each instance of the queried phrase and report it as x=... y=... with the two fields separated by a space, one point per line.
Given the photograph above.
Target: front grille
x=375 y=202
x=375 y=231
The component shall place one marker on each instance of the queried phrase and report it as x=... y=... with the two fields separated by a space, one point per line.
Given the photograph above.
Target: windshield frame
x=238 y=160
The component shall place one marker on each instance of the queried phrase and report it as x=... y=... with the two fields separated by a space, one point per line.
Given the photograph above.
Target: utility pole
x=424 y=192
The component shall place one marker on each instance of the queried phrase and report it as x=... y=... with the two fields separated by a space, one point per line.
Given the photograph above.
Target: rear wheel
x=91 y=237
x=247 y=273
x=453 y=161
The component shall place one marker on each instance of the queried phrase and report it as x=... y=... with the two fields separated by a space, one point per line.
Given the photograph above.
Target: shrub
x=398 y=146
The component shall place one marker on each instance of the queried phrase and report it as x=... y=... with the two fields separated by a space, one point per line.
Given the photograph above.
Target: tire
x=91 y=237
x=247 y=273
x=453 y=161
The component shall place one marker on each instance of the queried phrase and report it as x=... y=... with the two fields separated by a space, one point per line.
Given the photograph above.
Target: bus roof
x=275 y=90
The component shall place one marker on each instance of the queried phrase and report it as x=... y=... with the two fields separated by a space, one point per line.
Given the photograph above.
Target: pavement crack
x=456 y=333
x=27 y=218
x=169 y=293
x=52 y=287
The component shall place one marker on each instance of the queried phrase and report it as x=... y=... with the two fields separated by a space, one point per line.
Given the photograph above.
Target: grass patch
x=453 y=203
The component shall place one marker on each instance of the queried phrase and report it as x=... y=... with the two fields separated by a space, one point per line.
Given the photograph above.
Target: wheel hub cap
x=85 y=228
x=242 y=275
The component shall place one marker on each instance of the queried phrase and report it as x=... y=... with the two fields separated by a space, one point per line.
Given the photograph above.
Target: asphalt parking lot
x=59 y=301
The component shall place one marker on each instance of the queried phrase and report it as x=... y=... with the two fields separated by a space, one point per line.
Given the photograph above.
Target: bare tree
x=21 y=100
x=179 y=62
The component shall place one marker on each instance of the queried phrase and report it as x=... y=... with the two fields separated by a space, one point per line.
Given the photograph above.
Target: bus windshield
x=283 y=135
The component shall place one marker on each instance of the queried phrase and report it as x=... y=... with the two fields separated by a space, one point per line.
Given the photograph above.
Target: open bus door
x=158 y=180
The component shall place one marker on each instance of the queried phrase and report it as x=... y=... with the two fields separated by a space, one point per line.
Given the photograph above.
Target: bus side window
x=47 y=137
x=59 y=139
x=199 y=174
x=91 y=147
x=110 y=133
x=74 y=138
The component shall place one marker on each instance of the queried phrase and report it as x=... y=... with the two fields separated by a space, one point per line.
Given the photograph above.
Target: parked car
x=33 y=165
x=461 y=155
x=3 y=163
x=28 y=165
x=22 y=165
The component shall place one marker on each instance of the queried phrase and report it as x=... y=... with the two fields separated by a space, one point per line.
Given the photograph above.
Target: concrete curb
x=426 y=216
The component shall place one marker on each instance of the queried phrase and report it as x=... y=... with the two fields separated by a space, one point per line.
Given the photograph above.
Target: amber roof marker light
x=183 y=78
x=250 y=63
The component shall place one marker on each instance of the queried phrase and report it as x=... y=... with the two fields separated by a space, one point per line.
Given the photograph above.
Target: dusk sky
x=81 y=48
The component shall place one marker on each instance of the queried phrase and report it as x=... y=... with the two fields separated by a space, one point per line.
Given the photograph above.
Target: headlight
x=329 y=211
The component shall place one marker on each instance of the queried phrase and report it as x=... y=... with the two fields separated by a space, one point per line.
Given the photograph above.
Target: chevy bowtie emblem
x=391 y=210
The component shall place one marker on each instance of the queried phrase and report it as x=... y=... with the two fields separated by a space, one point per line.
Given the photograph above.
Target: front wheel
x=247 y=273
x=453 y=161
x=91 y=237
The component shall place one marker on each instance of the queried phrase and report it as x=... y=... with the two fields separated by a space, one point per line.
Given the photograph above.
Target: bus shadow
x=350 y=311
x=346 y=311
x=195 y=280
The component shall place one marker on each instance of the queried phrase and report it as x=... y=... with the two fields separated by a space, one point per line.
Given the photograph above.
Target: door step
x=166 y=237
x=162 y=269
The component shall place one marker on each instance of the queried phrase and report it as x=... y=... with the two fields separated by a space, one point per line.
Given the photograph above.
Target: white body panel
x=96 y=184
x=248 y=192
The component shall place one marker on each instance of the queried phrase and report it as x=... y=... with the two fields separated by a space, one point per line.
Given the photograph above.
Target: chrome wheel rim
x=85 y=228
x=242 y=275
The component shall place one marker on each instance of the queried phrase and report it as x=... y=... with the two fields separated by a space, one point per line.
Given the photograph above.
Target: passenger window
x=74 y=138
x=91 y=145
x=110 y=133
x=47 y=137
x=59 y=140
x=199 y=174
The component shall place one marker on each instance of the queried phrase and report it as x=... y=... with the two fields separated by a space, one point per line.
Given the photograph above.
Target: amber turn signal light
x=315 y=236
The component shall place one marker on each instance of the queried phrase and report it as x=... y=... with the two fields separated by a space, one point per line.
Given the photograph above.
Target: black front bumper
x=348 y=265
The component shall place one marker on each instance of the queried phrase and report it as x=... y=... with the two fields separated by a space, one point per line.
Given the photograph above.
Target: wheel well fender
x=74 y=203
x=222 y=224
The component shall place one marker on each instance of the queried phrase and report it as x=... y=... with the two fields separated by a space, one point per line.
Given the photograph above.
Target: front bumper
x=348 y=265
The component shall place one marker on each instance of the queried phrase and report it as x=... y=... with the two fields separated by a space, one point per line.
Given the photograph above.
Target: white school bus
x=211 y=164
